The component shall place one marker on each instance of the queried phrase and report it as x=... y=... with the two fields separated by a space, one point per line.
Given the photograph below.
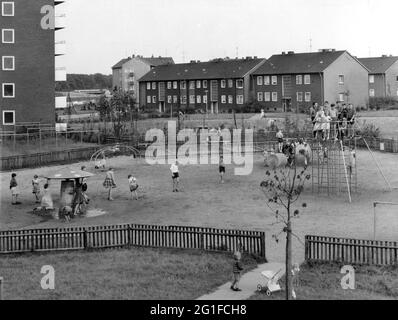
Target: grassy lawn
x=134 y=274
x=322 y=282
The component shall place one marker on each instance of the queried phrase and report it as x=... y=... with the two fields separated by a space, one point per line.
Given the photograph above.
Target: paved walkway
x=248 y=284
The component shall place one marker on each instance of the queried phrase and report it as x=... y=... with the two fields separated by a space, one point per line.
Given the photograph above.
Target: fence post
x=85 y=239
x=306 y=249
x=202 y=243
x=1 y=288
x=263 y=253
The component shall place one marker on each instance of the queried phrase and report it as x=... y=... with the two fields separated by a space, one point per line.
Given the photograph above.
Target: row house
x=294 y=81
x=28 y=63
x=383 y=76
x=126 y=72
x=216 y=86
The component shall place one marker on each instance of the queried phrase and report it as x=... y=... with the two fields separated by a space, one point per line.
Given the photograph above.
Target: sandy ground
x=238 y=204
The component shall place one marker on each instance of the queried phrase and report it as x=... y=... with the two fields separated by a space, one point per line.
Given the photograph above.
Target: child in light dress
x=133 y=185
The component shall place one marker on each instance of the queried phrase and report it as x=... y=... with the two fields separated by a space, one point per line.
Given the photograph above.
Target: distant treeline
x=84 y=82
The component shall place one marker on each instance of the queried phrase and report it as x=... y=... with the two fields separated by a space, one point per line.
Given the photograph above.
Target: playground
x=237 y=204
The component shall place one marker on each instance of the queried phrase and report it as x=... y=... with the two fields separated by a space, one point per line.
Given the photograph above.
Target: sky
x=101 y=32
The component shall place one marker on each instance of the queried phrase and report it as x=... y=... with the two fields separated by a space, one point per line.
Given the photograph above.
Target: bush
x=368 y=130
x=379 y=103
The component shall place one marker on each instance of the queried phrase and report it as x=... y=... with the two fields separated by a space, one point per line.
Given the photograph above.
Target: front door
x=287 y=105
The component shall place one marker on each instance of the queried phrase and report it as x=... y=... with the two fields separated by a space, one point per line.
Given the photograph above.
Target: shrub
x=368 y=130
x=381 y=102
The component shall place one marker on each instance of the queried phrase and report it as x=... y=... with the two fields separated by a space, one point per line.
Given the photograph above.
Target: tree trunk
x=289 y=261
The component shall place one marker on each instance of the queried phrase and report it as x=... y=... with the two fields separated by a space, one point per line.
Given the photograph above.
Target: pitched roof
x=157 y=61
x=378 y=64
x=311 y=62
x=216 y=69
x=120 y=64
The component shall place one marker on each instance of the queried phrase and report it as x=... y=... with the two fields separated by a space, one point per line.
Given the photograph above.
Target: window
x=239 y=99
x=274 y=96
x=224 y=99
x=397 y=78
x=308 y=97
x=307 y=79
x=239 y=84
x=266 y=80
x=7 y=35
x=7 y=9
x=8 y=117
x=299 y=97
x=175 y=85
x=259 y=96
x=299 y=79
x=274 y=80
x=223 y=83
x=205 y=99
x=230 y=99
x=371 y=79
x=148 y=99
x=183 y=85
x=205 y=84
x=198 y=99
x=198 y=84
x=397 y=92
x=183 y=99
x=341 y=79
x=169 y=85
x=169 y=99
x=267 y=96
x=191 y=99
x=148 y=86
x=191 y=85
x=8 y=63
x=8 y=90
x=154 y=99
x=259 y=81
x=341 y=97
x=230 y=83
x=153 y=85
x=371 y=92
x=175 y=99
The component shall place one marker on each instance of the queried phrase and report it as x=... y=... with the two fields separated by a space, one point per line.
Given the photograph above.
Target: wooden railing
x=352 y=251
x=99 y=237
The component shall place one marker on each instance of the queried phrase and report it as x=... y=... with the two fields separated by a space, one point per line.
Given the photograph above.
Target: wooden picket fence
x=351 y=251
x=117 y=236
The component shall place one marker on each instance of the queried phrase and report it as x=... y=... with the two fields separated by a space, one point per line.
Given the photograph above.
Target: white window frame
x=260 y=81
x=192 y=99
x=230 y=99
x=274 y=96
x=9 y=111
x=153 y=99
x=198 y=84
x=3 y=33
x=3 y=3
x=299 y=79
x=274 y=80
x=153 y=85
x=223 y=84
x=204 y=84
x=3 y=59
x=307 y=97
x=183 y=99
x=267 y=96
x=13 y=90
x=148 y=86
x=199 y=99
x=169 y=85
x=175 y=99
x=266 y=81
x=169 y=99
x=341 y=77
x=260 y=96
x=148 y=99
x=237 y=84
x=191 y=85
x=175 y=85
x=341 y=97
x=299 y=96
x=239 y=99
x=307 y=79
x=183 y=85
x=224 y=99
x=205 y=99
x=371 y=92
x=371 y=78
x=230 y=83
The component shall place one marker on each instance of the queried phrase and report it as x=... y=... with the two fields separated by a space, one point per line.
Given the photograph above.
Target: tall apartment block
x=28 y=62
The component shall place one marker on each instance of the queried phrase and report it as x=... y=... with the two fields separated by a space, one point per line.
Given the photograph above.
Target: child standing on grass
x=279 y=137
x=237 y=270
x=221 y=169
x=175 y=175
x=14 y=189
x=109 y=183
x=133 y=185
x=36 y=188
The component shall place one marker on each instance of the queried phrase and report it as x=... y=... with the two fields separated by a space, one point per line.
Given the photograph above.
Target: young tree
x=283 y=188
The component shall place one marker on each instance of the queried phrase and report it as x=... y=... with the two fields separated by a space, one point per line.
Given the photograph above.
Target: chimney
x=384 y=56
x=255 y=57
x=290 y=52
x=283 y=53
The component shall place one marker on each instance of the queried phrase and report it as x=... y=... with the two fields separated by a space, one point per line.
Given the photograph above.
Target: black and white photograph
x=200 y=156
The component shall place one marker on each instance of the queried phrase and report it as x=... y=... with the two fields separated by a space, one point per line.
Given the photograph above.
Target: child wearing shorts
x=279 y=137
x=236 y=270
x=14 y=189
x=175 y=175
x=133 y=185
x=221 y=169
x=36 y=188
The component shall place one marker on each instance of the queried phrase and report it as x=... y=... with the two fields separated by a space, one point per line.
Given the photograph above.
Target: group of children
x=332 y=122
x=110 y=184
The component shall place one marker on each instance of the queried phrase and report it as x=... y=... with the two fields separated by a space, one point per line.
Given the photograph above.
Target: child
x=109 y=183
x=14 y=189
x=222 y=170
x=279 y=136
x=47 y=200
x=237 y=269
x=175 y=175
x=36 y=188
x=133 y=186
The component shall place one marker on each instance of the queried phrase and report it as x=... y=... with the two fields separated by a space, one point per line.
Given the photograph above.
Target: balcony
x=60 y=74
x=60 y=102
x=60 y=48
x=60 y=21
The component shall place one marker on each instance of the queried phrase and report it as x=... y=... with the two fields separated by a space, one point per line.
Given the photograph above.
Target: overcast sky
x=101 y=32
